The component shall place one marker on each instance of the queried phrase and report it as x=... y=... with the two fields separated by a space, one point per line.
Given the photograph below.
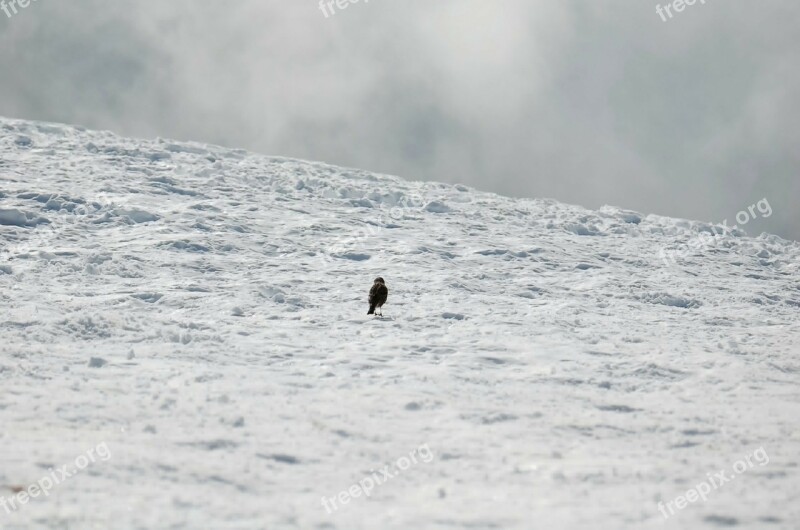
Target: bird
x=377 y=296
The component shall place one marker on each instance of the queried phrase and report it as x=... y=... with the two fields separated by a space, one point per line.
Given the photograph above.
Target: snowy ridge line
x=303 y=173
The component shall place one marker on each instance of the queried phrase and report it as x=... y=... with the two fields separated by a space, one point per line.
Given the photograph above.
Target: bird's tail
x=371 y=310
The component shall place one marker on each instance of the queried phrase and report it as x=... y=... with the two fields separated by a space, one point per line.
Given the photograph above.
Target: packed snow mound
x=202 y=311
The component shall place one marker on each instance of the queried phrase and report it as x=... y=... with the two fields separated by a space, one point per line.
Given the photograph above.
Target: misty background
x=589 y=103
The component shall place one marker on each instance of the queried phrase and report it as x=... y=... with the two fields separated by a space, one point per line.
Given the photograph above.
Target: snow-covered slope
x=201 y=312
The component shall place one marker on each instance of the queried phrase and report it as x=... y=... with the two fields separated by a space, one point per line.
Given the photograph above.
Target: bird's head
x=379 y=280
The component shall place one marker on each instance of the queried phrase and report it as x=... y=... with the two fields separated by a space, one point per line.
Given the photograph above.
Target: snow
x=202 y=311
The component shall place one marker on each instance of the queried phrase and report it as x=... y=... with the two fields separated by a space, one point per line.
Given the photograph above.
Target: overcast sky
x=589 y=103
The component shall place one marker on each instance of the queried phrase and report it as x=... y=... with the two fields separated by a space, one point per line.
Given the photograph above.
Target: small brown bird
x=377 y=296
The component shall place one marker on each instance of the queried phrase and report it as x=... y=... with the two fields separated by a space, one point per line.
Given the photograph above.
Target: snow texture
x=202 y=311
